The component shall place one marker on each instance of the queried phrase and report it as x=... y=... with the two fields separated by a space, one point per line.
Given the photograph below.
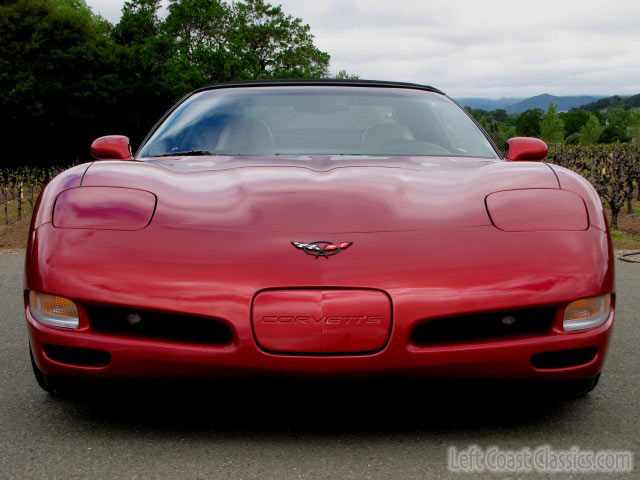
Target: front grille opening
x=483 y=327
x=77 y=356
x=564 y=358
x=159 y=325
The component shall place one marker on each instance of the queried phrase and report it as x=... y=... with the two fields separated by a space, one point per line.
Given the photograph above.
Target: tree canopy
x=528 y=123
x=590 y=132
x=615 y=101
x=552 y=126
x=575 y=126
x=573 y=120
x=68 y=76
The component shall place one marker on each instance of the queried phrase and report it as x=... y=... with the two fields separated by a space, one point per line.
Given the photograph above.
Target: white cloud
x=109 y=9
x=492 y=48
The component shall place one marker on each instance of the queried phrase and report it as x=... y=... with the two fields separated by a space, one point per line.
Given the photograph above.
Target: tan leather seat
x=383 y=133
x=246 y=135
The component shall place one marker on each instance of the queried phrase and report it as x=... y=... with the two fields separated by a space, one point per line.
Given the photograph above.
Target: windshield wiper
x=185 y=154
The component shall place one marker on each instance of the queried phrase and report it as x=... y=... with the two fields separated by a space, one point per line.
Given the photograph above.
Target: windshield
x=318 y=120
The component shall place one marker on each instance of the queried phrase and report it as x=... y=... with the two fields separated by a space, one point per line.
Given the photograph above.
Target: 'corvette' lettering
x=327 y=320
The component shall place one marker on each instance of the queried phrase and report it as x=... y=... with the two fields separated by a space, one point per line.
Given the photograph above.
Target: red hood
x=321 y=194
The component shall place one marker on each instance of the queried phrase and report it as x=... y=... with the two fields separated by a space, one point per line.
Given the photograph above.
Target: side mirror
x=519 y=149
x=112 y=147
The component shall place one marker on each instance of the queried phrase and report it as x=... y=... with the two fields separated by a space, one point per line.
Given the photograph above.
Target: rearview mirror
x=519 y=149
x=112 y=147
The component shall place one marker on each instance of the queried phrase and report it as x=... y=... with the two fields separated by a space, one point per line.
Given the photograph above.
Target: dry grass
x=14 y=236
x=627 y=237
x=622 y=241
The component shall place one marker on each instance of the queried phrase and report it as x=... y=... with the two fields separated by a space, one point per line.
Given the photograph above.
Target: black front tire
x=41 y=377
x=578 y=388
x=62 y=387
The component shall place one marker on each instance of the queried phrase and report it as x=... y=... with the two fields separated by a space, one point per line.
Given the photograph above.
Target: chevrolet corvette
x=319 y=229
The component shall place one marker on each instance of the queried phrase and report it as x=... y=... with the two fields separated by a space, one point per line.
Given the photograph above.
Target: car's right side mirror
x=520 y=149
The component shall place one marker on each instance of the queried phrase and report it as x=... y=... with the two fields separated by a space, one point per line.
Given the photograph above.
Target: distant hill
x=615 y=101
x=488 y=104
x=542 y=102
x=519 y=105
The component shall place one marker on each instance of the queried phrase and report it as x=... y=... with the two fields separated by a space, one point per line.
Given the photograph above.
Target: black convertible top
x=319 y=82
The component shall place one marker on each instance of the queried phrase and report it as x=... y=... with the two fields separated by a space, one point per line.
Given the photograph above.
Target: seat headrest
x=246 y=135
x=385 y=132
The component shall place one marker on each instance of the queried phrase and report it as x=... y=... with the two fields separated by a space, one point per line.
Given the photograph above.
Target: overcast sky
x=490 y=48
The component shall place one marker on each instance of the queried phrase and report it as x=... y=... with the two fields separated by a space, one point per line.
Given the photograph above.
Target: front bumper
x=445 y=273
x=153 y=358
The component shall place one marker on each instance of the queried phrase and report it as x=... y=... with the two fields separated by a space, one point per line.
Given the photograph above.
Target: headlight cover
x=537 y=210
x=53 y=310
x=587 y=313
x=104 y=208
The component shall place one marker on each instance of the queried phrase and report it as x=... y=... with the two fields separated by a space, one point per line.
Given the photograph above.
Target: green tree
x=552 y=126
x=500 y=133
x=500 y=115
x=344 y=75
x=199 y=30
x=68 y=76
x=572 y=139
x=271 y=44
x=633 y=129
x=217 y=41
x=150 y=83
x=139 y=22
x=617 y=121
x=57 y=77
x=573 y=121
x=493 y=123
x=528 y=123
x=590 y=131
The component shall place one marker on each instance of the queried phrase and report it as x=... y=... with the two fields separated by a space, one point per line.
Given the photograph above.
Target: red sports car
x=319 y=228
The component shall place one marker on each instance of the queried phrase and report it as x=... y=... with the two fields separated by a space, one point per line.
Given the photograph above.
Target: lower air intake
x=564 y=358
x=159 y=325
x=483 y=327
x=77 y=356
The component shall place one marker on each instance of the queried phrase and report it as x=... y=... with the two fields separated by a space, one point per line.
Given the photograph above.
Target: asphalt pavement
x=327 y=431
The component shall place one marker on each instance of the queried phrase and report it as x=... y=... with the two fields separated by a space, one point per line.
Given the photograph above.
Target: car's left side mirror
x=112 y=147
x=520 y=149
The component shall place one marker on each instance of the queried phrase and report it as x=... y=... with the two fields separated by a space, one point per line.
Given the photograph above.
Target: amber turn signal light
x=587 y=313
x=53 y=310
